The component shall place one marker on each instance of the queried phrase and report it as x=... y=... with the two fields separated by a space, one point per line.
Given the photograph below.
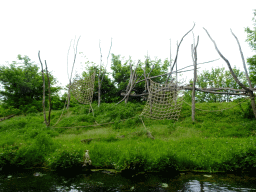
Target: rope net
x=163 y=101
x=82 y=88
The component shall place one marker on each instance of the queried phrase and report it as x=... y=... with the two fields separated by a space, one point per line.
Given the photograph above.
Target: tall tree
x=108 y=89
x=22 y=83
x=251 y=39
x=217 y=78
x=251 y=33
x=121 y=73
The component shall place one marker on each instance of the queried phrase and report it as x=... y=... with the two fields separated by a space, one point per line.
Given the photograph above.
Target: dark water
x=107 y=181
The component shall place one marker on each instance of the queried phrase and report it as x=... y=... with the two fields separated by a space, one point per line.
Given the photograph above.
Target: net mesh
x=163 y=101
x=82 y=88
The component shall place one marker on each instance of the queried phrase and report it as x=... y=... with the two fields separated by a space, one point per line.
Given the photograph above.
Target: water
x=37 y=180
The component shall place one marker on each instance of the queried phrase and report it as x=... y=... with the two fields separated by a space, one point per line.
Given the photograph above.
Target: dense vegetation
x=217 y=141
x=223 y=140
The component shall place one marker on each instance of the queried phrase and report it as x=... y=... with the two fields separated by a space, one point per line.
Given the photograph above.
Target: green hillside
x=222 y=140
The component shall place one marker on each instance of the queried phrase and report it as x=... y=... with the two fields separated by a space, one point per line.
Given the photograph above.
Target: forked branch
x=175 y=61
x=248 y=90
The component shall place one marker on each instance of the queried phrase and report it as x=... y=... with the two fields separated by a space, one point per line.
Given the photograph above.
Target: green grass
x=216 y=141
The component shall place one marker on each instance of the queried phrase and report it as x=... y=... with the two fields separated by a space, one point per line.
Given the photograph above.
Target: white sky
x=137 y=27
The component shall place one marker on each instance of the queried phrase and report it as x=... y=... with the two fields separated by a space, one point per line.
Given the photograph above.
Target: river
x=102 y=180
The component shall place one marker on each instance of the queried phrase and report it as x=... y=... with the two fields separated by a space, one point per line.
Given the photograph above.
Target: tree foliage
x=252 y=69
x=251 y=33
x=108 y=90
x=121 y=73
x=216 y=78
x=23 y=84
x=251 y=39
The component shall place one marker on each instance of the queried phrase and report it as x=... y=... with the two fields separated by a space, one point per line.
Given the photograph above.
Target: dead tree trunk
x=49 y=91
x=194 y=58
x=103 y=74
x=248 y=90
x=49 y=97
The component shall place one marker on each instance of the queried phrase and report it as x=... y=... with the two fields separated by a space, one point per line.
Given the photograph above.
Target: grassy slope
x=217 y=141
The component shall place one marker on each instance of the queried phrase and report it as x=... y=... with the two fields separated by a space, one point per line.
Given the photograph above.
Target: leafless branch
x=242 y=56
x=229 y=66
x=68 y=55
x=178 y=50
x=248 y=90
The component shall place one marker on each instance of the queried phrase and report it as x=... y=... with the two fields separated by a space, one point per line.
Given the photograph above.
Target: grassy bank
x=216 y=141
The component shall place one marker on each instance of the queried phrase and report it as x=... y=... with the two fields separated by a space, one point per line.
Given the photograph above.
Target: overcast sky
x=137 y=27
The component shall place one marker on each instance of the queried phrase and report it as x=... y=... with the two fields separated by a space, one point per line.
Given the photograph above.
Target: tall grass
x=216 y=141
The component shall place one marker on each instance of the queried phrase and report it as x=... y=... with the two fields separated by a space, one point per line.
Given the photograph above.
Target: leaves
x=217 y=78
x=23 y=84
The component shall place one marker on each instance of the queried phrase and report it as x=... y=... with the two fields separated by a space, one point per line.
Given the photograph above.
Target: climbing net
x=82 y=88
x=163 y=101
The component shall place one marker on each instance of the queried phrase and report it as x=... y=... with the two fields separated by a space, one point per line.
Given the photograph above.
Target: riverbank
x=216 y=141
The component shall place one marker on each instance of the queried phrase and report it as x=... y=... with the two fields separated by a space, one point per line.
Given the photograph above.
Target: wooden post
x=49 y=91
x=43 y=102
x=194 y=85
x=194 y=58
x=49 y=97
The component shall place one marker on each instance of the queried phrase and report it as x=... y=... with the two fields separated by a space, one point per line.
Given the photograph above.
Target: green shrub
x=8 y=110
x=35 y=153
x=248 y=112
x=65 y=158
x=241 y=161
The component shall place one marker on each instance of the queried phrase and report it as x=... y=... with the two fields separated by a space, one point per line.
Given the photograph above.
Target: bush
x=34 y=154
x=8 y=110
x=65 y=158
x=248 y=113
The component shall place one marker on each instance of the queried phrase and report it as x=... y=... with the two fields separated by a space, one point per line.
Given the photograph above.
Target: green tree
x=252 y=69
x=251 y=33
x=251 y=39
x=121 y=73
x=108 y=89
x=216 y=78
x=22 y=85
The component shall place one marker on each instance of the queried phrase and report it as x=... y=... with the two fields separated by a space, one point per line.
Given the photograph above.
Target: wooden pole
x=99 y=84
x=194 y=58
x=194 y=85
x=49 y=95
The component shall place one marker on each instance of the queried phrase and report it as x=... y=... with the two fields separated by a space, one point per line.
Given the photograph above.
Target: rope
x=217 y=110
x=82 y=89
x=163 y=102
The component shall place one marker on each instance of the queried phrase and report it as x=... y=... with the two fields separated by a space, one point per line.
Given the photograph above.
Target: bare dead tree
x=74 y=61
x=194 y=58
x=99 y=84
x=130 y=85
x=176 y=58
x=49 y=92
x=248 y=90
x=132 y=82
x=103 y=74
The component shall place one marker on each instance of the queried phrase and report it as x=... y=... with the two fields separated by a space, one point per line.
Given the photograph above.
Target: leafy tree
x=23 y=85
x=251 y=39
x=112 y=88
x=108 y=90
x=251 y=33
x=121 y=73
x=252 y=69
x=216 y=78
